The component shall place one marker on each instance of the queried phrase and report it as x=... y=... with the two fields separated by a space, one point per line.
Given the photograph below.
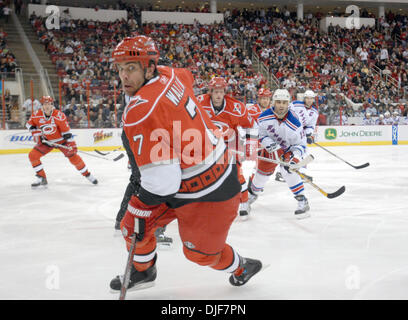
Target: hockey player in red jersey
x=229 y=115
x=49 y=125
x=264 y=101
x=185 y=171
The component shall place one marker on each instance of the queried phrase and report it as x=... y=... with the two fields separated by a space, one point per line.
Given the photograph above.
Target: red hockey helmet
x=217 y=83
x=46 y=99
x=139 y=48
x=264 y=93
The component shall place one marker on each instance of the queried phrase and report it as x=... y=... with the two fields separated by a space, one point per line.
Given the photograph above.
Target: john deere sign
x=330 y=134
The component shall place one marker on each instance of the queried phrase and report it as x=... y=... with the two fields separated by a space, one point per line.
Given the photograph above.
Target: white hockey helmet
x=281 y=95
x=309 y=94
x=387 y=114
x=381 y=116
x=395 y=113
x=368 y=114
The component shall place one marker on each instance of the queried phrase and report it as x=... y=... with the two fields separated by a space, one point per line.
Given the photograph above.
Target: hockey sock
x=294 y=182
x=259 y=181
x=227 y=261
x=144 y=253
x=34 y=157
x=77 y=161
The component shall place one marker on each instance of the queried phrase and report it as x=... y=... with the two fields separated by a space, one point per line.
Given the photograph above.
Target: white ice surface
x=59 y=243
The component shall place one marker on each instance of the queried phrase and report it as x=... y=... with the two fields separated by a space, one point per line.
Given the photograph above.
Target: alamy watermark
x=52 y=281
x=53 y=20
x=352 y=277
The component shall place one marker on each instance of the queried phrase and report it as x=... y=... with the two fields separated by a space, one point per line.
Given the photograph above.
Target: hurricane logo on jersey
x=48 y=129
x=223 y=127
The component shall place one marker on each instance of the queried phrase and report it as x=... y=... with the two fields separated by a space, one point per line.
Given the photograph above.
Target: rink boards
x=21 y=141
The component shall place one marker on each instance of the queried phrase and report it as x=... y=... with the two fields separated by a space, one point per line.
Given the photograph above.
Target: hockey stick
x=355 y=167
x=328 y=195
x=305 y=161
x=53 y=144
x=126 y=276
x=106 y=153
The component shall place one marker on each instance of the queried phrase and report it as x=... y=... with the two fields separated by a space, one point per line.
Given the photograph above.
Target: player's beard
x=281 y=115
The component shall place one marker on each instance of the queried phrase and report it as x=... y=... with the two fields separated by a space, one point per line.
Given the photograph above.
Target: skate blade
x=41 y=187
x=138 y=287
x=301 y=216
x=164 y=246
x=244 y=217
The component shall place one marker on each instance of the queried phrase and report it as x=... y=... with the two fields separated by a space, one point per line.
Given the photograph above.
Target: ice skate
x=303 y=207
x=252 y=198
x=92 y=179
x=40 y=182
x=252 y=195
x=246 y=270
x=163 y=241
x=244 y=210
x=278 y=177
x=138 y=279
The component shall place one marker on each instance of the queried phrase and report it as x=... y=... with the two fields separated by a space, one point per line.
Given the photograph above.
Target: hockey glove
x=73 y=148
x=290 y=158
x=309 y=138
x=37 y=135
x=138 y=219
x=273 y=146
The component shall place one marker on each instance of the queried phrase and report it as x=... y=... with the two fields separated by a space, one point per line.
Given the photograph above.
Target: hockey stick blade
x=119 y=157
x=336 y=193
x=106 y=153
x=101 y=153
x=362 y=166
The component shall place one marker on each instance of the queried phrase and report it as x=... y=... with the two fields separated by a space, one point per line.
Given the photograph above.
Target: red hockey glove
x=289 y=157
x=73 y=148
x=36 y=135
x=139 y=218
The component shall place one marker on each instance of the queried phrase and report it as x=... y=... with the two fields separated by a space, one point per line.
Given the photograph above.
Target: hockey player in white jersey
x=388 y=120
x=380 y=120
x=307 y=112
x=396 y=118
x=280 y=128
x=368 y=120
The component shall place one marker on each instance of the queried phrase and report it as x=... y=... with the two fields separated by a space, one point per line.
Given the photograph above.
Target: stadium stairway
x=41 y=53
x=16 y=46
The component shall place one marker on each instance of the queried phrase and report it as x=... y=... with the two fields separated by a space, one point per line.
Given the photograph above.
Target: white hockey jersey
x=288 y=132
x=396 y=120
x=307 y=116
x=369 y=122
x=336 y=120
x=388 y=121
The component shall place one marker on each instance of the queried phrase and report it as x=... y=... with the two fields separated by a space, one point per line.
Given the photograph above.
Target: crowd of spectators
x=299 y=56
x=8 y=61
x=81 y=51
